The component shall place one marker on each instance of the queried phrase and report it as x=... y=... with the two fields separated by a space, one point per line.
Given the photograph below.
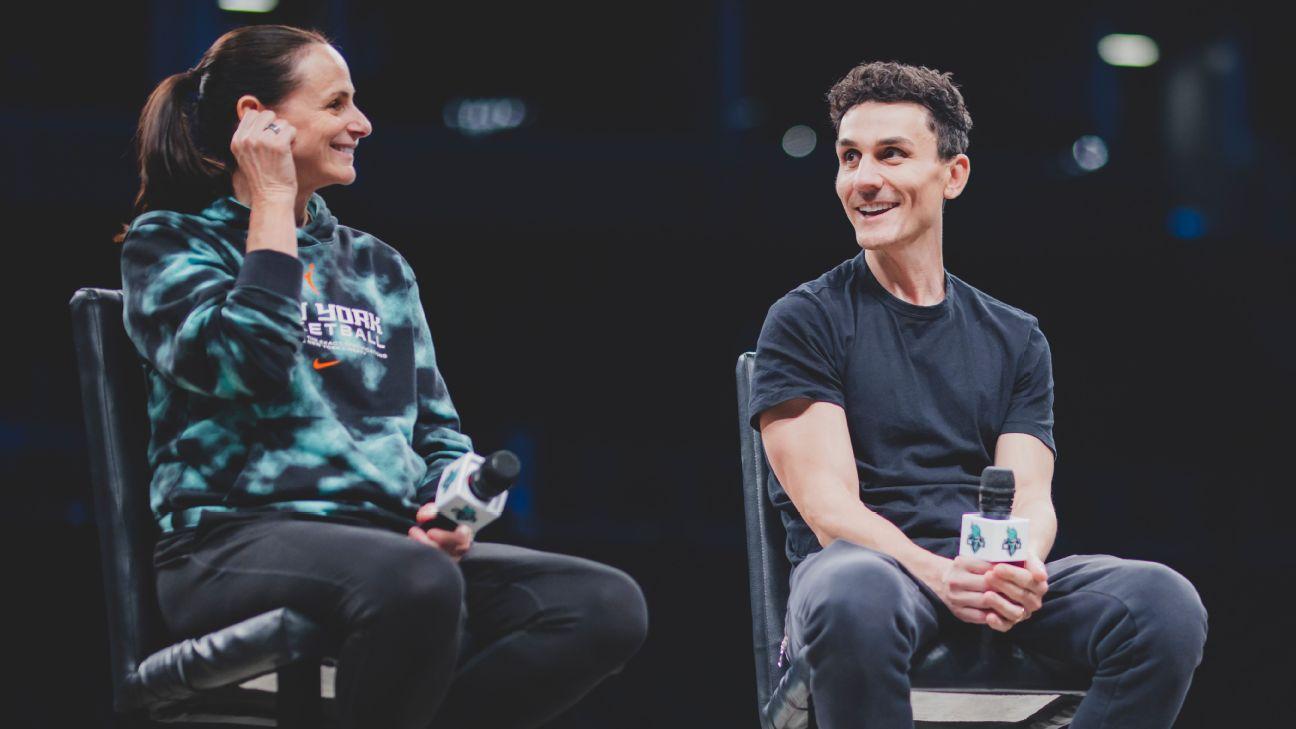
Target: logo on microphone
x=464 y=513
x=1012 y=543
x=975 y=540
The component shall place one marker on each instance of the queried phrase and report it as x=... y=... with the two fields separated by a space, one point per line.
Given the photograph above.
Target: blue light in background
x=1186 y=223
x=13 y=437
x=521 y=500
x=77 y=513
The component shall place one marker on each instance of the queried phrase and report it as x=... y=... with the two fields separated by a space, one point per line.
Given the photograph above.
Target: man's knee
x=856 y=591
x=1168 y=614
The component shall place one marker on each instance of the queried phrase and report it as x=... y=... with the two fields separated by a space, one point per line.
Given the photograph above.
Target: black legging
x=544 y=628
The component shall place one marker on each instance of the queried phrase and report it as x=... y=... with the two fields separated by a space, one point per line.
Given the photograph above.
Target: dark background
x=591 y=276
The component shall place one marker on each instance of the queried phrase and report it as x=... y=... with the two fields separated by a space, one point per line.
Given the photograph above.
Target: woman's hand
x=455 y=543
x=262 y=146
x=967 y=590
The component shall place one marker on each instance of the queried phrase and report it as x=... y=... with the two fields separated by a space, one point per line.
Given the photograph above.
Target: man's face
x=890 y=179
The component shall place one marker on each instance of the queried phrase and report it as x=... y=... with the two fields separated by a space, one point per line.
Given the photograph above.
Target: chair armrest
x=227 y=656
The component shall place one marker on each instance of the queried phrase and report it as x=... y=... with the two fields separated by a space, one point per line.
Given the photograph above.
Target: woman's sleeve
x=207 y=324
x=437 y=438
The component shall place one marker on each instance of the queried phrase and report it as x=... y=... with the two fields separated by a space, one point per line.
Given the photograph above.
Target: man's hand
x=455 y=543
x=967 y=590
x=1024 y=587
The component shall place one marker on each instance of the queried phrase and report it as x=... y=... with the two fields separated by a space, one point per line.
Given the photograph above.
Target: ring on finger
x=271 y=127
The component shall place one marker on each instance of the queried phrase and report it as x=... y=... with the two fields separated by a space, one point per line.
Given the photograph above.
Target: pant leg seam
x=273 y=573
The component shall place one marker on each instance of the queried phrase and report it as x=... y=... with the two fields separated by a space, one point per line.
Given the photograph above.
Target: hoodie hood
x=320 y=225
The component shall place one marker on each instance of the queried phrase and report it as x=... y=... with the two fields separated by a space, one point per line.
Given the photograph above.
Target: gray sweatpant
x=858 y=618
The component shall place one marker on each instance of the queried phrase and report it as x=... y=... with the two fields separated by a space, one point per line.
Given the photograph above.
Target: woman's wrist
x=273 y=226
x=274 y=202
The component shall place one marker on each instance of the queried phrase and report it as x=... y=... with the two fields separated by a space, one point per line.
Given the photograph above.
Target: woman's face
x=329 y=125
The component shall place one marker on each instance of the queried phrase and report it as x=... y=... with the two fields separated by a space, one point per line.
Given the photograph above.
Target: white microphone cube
x=994 y=540
x=455 y=499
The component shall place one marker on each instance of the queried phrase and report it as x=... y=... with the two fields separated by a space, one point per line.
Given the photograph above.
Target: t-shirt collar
x=900 y=306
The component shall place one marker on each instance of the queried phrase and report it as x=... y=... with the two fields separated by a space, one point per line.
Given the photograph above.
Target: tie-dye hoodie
x=306 y=384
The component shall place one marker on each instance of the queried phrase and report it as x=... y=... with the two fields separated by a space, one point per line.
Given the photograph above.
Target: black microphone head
x=997 y=489
x=497 y=474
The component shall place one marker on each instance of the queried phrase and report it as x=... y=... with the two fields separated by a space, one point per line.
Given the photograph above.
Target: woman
x=300 y=423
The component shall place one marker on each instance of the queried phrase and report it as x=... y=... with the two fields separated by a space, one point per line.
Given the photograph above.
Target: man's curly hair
x=890 y=81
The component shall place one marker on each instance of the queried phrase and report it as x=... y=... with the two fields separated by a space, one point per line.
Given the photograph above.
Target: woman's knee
x=613 y=612
x=412 y=587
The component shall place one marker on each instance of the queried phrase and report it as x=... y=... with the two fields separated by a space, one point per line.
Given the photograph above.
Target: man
x=881 y=390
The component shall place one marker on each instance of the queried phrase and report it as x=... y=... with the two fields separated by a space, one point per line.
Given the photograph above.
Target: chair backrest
x=767 y=564
x=116 y=416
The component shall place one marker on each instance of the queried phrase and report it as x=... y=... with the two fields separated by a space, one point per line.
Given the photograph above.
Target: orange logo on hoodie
x=310 y=274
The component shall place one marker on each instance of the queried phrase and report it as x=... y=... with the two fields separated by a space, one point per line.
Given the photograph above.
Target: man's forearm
x=1032 y=464
x=1043 y=524
x=809 y=449
x=859 y=524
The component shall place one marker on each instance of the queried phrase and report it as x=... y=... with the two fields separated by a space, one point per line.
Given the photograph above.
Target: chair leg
x=298 y=702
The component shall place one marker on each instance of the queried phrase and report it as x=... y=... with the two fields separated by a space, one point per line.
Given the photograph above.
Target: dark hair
x=188 y=121
x=889 y=81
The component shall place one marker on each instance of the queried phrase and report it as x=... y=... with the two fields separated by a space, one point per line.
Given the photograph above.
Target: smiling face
x=890 y=179
x=329 y=125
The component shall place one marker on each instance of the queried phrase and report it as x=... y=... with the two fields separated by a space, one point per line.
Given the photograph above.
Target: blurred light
x=76 y=514
x=1089 y=152
x=744 y=114
x=247 y=6
x=1186 y=223
x=521 y=501
x=477 y=117
x=799 y=141
x=1133 y=51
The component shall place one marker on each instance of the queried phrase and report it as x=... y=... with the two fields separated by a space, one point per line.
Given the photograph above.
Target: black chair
x=195 y=681
x=988 y=665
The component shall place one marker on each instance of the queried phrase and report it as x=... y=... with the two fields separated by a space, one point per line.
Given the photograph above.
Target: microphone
x=472 y=489
x=994 y=534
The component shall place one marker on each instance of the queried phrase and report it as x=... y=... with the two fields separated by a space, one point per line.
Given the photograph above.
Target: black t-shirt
x=927 y=391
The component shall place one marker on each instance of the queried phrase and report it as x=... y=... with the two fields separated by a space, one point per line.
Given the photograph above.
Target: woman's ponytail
x=174 y=175
x=189 y=119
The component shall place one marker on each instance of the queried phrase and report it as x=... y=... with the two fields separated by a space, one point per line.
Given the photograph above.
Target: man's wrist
x=929 y=568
